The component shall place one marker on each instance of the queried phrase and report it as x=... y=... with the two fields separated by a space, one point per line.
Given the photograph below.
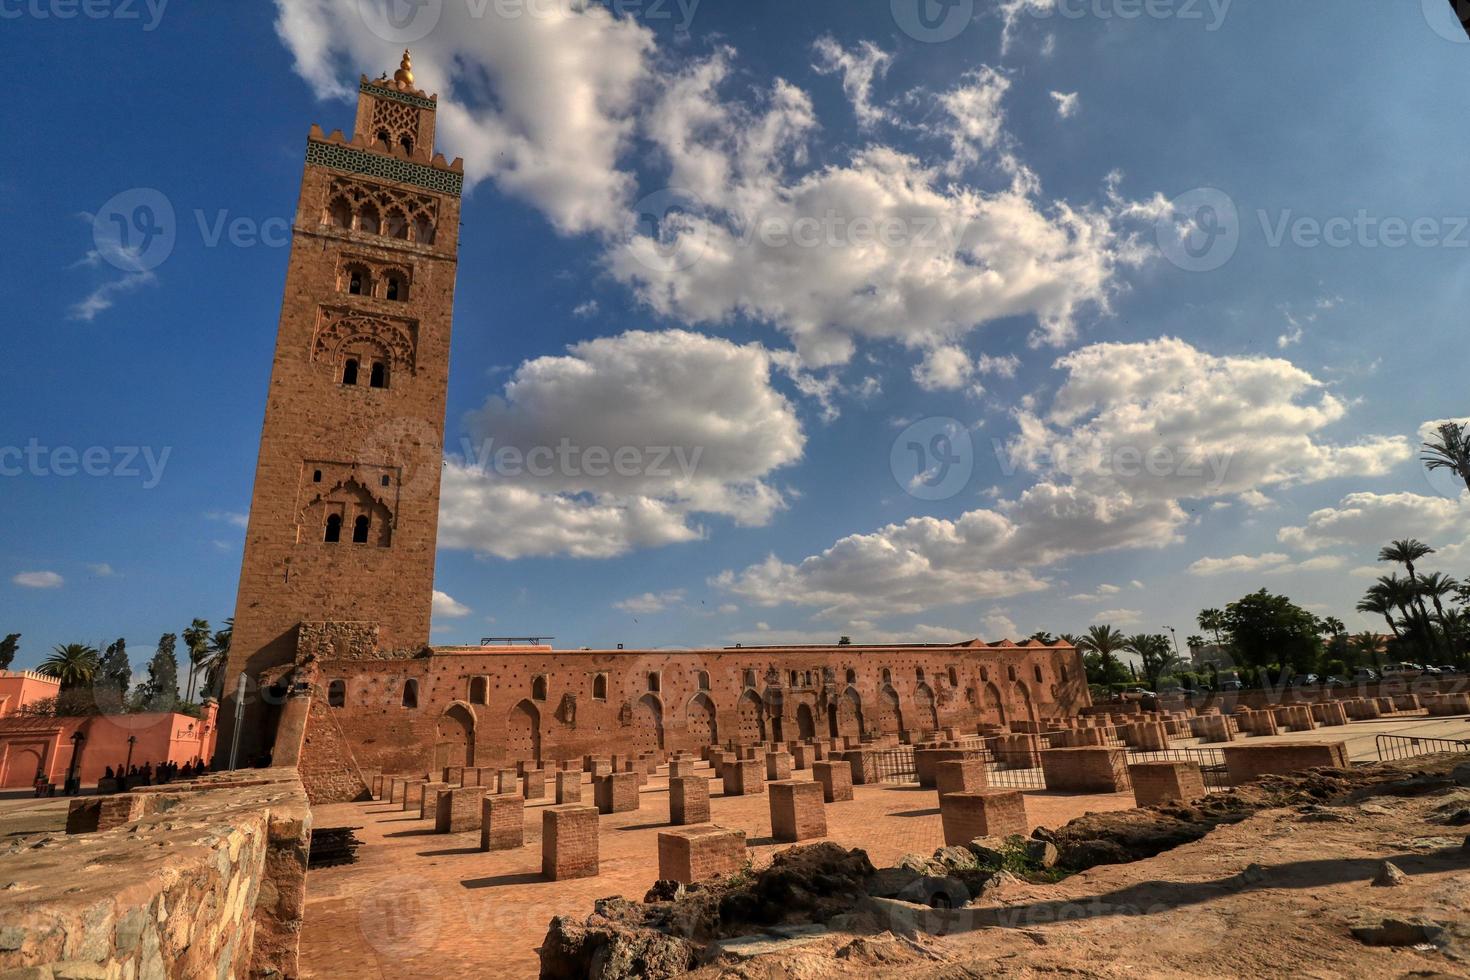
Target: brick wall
x=569 y=842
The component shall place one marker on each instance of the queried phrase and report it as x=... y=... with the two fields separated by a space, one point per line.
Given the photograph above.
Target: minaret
x=345 y=510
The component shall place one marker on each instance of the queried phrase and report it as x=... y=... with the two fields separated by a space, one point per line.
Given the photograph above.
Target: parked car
x=1138 y=692
x=1449 y=670
x=1305 y=680
x=1230 y=684
x=1402 y=670
x=1365 y=675
x=1334 y=682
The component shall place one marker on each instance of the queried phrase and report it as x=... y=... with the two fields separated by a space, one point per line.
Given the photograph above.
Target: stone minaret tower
x=345 y=511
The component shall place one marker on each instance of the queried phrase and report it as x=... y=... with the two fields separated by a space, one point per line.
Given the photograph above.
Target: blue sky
x=1072 y=301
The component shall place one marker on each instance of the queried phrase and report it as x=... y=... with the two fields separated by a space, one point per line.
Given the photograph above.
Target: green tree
x=161 y=691
x=1212 y=620
x=196 y=642
x=73 y=664
x=1451 y=451
x=1378 y=601
x=1042 y=636
x=1266 y=629
x=8 y=649
x=218 y=659
x=114 y=674
x=1156 y=653
x=1405 y=553
x=1107 y=643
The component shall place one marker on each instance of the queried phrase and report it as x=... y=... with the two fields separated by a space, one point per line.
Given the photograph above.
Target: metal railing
x=1211 y=762
x=1392 y=747
x=1022 y=770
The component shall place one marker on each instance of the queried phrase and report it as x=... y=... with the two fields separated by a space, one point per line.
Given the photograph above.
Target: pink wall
x=22 y=687
x=26 y=743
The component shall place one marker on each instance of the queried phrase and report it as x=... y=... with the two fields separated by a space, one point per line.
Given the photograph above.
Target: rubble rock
x=957 y=858
x=1389 y=876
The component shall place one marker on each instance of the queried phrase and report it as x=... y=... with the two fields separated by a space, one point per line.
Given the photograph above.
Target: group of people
x=167 y=772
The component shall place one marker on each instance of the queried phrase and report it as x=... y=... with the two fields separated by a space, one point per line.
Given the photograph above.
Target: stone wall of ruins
x=205 y=879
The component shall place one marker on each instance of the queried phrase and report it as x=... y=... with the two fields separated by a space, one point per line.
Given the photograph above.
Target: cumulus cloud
x=620 y=444
x=859 y=68
x=38 y=580
x=884 y=245
x=944 y=368
x=1271 y=563
x=446 y=607
x=544 y=105
x=1367 y=521
x=1260 y=418
x=1118 y=617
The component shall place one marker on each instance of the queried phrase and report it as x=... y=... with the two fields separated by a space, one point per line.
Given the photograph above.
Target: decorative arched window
x=354 y=282
x=339 y=213
x=538 y=687
x=379 y=376
x=349 y=371
x=851 y=676
x=954 y=677
x=410 y=693
x=599 y=687
x=406 y=141
x=1037 y=671
x=368 y=220
x=704 y=680
x=1011 y=671
x=423 y=230
x=919 y=674
x=337 y=694
x=360 y=529
x=394 y=289
x=396 y=225
x=985 y=673
x=479 y=688
x=385 y=138
x=334 y=529
x=653 y=681
x=750 y=678
x=794 y=681
x=887 y=676
x=1065 y=677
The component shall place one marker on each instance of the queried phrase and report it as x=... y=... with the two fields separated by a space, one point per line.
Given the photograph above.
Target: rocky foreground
x=1357 y=872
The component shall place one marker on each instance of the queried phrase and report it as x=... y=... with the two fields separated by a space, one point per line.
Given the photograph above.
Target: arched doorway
x=21 y=764
x=806 y=724
x=703 y=728
x=776 y=712
x=995 y=709
x=849 y=720
x=454 y=738
x=924 y=702
x=648 y=724
x=523 y=733
x=752 y=716
x=890 y=715
x=1023 y=701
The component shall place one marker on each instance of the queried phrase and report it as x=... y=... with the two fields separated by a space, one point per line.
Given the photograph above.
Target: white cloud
x=1103 y=592
x=944 y=368
x=230 y=517
x=1067 y=103
x=544 y=105
x=884 y=245
x=1238 y=563
x=998 y=626
x=651 y=602
x=101 y=569
x=446 y=607
x=1118 y=617
x=859 y=68
x=618 y=445
x=1004 y=366
x=588 y=309
x=861 y=632
x=1368 y=521
x=38 y=580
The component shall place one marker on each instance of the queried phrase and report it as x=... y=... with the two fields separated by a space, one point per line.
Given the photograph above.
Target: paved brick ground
x=419 y=903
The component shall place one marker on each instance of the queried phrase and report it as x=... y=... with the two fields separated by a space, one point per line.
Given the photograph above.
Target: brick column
x=960 y=776
x=617 y=792
x=502 y=822
x=533 y=784
x=429 y=803
x=688 y=800
x=568 y=787
x=743 y=778
x=687 y=856
x=835 y=779
x=986 y=813
x=413 y=795
x=797 y=811
x=1159 y=782
x=778 y=765
x=569 y=842
x=681 y=767
x=1090 y=770
x=459 y=810
x=1247 y=762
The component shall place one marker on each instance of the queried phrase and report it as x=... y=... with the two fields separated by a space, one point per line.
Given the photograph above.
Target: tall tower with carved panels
x=344 y=515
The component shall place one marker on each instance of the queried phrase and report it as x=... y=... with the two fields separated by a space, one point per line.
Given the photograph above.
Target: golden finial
x=404 y=74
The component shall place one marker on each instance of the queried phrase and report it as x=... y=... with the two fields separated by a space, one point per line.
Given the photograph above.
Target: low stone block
x=413 y=795
x=835 y=778
x=617 y=792
x=778 y=766
x=1160 y=782
x=569 y=844
x=797 y=811
x=1251 y=761
x=1089 y=770
x=502 y=822
x=429 y=802
x=743 y=778
x=700 y=853
x=568 y=788
x=681 y=767
x=508 y=780
x=960 y=776
x=688 y=800
x=459 y=810
x=533 y=784
x=985 y=813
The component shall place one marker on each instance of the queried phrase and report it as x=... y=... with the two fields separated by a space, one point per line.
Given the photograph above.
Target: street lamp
x=73 y=782
x=132 y=740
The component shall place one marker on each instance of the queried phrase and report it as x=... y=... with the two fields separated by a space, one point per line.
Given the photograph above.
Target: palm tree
x=1405 y=553
x=219 y=657
x=1155 y=653
x=1106 y=642
x=74 y=664
x=1451 y=452
x=1334 y=626
x=1214 y=621
x=196 y=641
x=1070 y=639
x=1365 y=647
x=1042 y=636
x=1376 y=601
x=1437 y=586
x=1194 y=642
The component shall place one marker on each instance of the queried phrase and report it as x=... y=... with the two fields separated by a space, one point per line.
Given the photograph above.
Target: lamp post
x=73 y=782
x=132 y=740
